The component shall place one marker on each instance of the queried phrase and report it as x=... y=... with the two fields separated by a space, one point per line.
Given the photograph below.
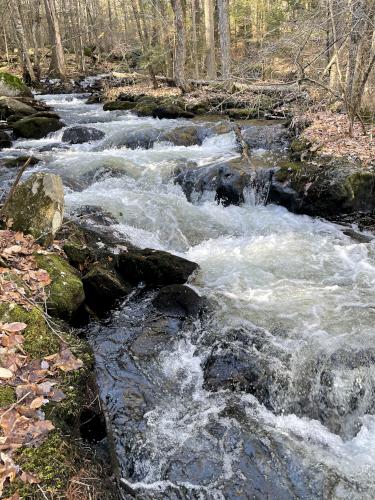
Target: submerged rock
x=78 y=135
x=36 y=127
x=66 y=293
x=37 y=207
x=154 y=267
x=178 y=300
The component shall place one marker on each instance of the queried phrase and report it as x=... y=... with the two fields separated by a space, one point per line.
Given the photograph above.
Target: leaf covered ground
x=27 y=383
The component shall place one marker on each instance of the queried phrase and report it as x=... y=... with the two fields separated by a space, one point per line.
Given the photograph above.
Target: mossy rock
x=183 y=136
x=360 y=187
x=10 y=106
x=242 y=113
x=40 y=341
x=119 y=105
x=287 y=170
x=7 y=396
x=19 y=161
x=145 y=108
x=66 y=290
x=36 y=127
x=11 y=86
x=37 y=207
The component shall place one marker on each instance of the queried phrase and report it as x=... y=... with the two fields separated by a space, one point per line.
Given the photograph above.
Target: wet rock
x=155 y=335
x=119 y=105
x=178 y=300
x=78 y=135
x=154 y=267
x=227 y=179
x=53 y=146
x=37 y=207
x=94 y=99
x=324 y=187
x=125 y=96
x=20 y=160
x=184 y=136
x=66 y=293
x=266 y=137
x=143 y=139
x=238 y=370
x=36 y=127
x=103 y=288
x=171 y=111
x=5 y=140
x=11 y=106
x=12 y=86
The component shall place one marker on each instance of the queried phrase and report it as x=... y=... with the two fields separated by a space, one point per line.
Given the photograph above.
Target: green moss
x=66 y=290
x=287 y=169
x=299 y=145
x=36 y=127
x=119 y=105
x=54 y=463
x=360 y=186
x=40 y=341
x=13 y=82
x=7 y=396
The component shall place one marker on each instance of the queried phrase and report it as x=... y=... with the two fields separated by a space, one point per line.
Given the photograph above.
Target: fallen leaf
x=5 y=373
x=27 y=477
x=13 y=327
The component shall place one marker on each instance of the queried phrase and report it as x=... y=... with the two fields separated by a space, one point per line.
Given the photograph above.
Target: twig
x=15 y=404
x=15 y=183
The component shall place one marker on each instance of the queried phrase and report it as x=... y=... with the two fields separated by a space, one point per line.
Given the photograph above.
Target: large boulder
x=324 y=187
x=185 y=136
x=154 y=267
x=266 y=137
x=227 y=180
x=12 y=86
x=10 y=106
x=37 y=207
x=65 y=293
x=36 y=127
x=78 y=135
x=5 y=140
x=171 y=110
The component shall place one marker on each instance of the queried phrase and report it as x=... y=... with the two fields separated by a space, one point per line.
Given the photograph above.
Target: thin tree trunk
x=194 y=38
x=224 y=37
x=29 y=75
x=57 y=67
x=210 y=39
x=180 y=47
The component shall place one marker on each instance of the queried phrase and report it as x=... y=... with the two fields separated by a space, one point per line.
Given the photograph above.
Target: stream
x=292 y=303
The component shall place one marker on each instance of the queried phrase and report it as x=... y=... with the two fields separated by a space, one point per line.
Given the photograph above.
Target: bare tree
x=210 y=38
x=180 y=46
x=57 y=67
x=224 y=37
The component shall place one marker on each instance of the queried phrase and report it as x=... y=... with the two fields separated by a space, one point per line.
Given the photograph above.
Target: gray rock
x=12 y=106
x=78 y=135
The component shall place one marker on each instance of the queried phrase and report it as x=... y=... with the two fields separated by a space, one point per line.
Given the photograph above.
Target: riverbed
x=291 y=296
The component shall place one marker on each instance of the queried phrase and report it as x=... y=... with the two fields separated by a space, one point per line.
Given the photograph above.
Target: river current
x=293 y=292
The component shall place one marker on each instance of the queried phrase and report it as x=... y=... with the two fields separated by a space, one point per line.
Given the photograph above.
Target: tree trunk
x=28 y=71
x=224 y=37
x=194 y=50
x=180 y=48
x=210 y=39
x=57 y=67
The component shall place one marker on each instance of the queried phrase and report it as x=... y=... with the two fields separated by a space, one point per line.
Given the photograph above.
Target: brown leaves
x=20 y=279
x=329 y=131
x=65 y=361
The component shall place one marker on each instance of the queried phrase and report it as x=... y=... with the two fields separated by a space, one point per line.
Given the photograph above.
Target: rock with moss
x=119 y=105
x=12 y=86
x=65 y=293
x=11 y=106
x=37 y=207
x=325 y=187
x=36 y=127
x=39 y=341
x=103 y=288
x=184 y=136
x=299 y=148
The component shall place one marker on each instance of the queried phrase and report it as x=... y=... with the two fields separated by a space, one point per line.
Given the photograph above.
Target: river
x=291 y=295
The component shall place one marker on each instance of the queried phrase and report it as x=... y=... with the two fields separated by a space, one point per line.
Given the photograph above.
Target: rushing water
x=291 y=291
